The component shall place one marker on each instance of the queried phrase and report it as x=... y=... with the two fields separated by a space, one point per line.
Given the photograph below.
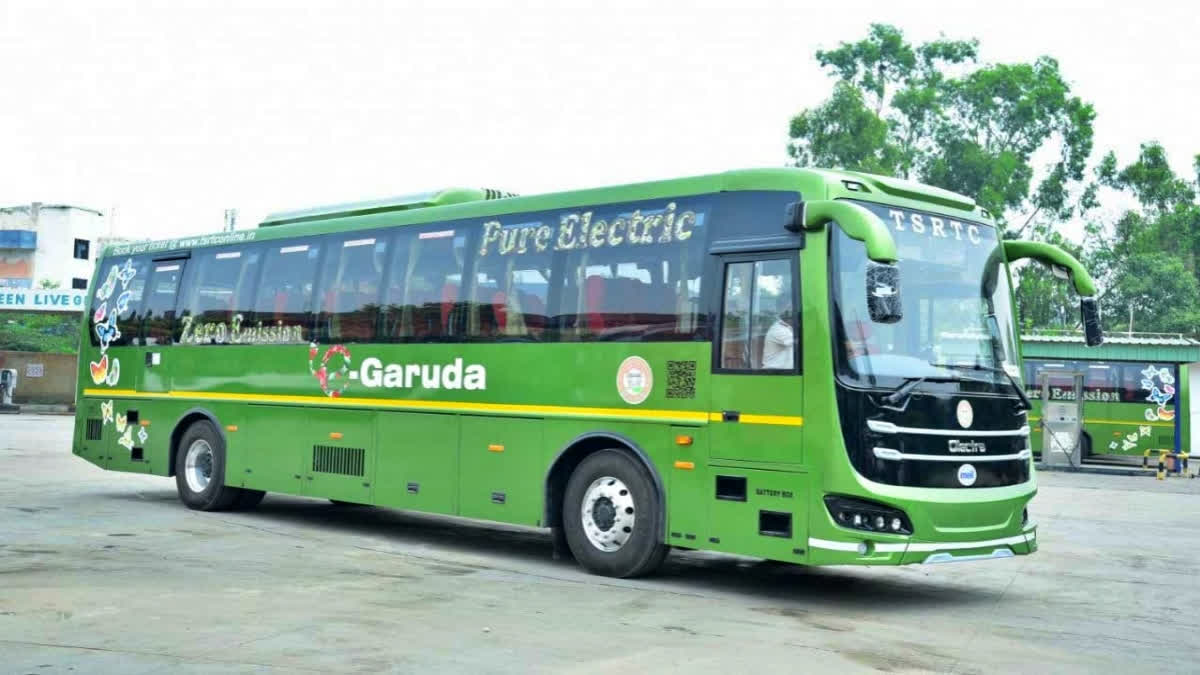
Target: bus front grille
x=332 y=459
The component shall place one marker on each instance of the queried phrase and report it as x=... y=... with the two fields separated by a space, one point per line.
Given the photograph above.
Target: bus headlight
x=859 y=514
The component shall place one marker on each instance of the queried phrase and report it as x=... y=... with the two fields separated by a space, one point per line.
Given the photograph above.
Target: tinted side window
x=759 y=325
x=218 y=293
x=161 y=297
x=1148 y=383
x=117 y=302
x=350 y=285
x=283 y=302
x=510 y=290
x=423 y=298
x=634 y=272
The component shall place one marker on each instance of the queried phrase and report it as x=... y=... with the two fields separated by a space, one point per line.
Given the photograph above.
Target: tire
x=616 y=495
x=1085 y=441
x=202 y=486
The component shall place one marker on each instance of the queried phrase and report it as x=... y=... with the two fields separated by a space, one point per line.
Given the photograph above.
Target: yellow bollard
x=1146 y=458
x=1162 y=458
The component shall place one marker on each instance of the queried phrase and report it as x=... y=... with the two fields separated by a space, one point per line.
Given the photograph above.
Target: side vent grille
x=344 y=461
x=489 y=193
x=94 y=427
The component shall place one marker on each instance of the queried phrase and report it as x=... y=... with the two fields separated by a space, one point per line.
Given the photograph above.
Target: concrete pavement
x=107 y=572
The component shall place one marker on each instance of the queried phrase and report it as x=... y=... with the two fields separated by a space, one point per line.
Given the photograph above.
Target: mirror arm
x=857 y=222
x=1049 y=254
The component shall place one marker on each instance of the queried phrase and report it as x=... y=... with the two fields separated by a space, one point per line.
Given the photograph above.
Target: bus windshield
x=957 y=314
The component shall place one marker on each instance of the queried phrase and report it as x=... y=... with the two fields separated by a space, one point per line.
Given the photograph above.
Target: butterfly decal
x=109 y=285
x=126 y=273
x=106 y=409
x=123 y=303
x=1161 y=397
x=100 y=313
x=106 y=333
x=142 y=435
x=122 y=423
x=127 y=439
x=99 y=370
x=114 y=373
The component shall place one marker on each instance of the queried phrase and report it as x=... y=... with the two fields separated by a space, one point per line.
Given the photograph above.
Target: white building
x=49 y=242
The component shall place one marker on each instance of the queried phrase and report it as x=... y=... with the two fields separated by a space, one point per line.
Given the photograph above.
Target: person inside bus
x=779 y=348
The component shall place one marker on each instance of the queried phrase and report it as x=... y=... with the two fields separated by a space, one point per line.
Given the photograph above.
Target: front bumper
x=869 y=550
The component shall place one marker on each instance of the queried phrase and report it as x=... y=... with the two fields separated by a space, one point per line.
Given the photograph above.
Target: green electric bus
x=1129 y=407
x=810 y=366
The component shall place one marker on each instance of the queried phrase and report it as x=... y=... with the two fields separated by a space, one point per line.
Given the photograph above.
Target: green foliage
x=933 y=113
x=1147 y=259
x=39 y=332
x=48 y=284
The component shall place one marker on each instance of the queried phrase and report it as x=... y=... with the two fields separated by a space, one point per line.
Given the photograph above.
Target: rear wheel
x=610 y=516
x=200 y=470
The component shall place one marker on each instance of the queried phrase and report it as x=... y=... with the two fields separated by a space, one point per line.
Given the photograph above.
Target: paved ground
x=105 y=572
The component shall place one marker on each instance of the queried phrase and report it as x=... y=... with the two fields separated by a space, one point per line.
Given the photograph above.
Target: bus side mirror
x=1089 y=311
x=883 y=292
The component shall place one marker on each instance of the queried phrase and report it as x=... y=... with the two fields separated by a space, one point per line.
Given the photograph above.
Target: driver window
x=759 y=322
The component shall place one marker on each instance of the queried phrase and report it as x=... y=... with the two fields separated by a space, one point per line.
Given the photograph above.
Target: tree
x=1148 y=256
x=932 y=113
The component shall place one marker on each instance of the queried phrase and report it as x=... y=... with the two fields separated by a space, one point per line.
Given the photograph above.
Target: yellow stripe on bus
x=452 y=406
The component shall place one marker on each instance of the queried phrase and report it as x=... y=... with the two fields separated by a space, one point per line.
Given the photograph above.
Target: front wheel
x=610 y=516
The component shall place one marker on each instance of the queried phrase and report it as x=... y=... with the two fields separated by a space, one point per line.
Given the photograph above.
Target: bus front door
x=756 y=448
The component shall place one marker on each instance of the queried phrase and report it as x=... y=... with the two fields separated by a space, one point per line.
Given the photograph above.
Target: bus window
x=1101 y=381
x=422 y=297
x=759 y=325
x=350 y=285
x=625 y=289
x=218 y=291
x=159 y=316
x=117 y=302
x=509 y=292
x=285 y=293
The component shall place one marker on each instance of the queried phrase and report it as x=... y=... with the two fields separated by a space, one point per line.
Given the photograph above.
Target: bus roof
x=460 y=203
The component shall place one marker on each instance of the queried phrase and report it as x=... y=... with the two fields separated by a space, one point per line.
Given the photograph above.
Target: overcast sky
x=171 y=112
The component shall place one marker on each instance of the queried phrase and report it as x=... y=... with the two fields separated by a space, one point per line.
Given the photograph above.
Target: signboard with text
x=42 y=300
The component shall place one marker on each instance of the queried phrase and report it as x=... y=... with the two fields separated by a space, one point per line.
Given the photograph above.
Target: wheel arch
x=574 y=452
x=187 y=419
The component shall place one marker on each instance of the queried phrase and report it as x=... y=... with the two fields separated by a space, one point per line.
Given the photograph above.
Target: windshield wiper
x=1025 y=402
x=898 y=399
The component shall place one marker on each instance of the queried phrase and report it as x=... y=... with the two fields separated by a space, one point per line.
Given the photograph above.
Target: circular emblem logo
x=967 y=475
x=634 y=380
x=333 y=378
x=966 y=414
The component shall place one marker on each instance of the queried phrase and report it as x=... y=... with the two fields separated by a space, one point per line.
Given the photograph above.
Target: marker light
x=860 y=514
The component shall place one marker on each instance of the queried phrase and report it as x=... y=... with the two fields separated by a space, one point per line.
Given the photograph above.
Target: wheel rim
x=608 y=514
x=198 y=466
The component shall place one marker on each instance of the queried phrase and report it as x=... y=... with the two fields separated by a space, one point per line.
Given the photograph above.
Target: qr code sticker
x=681 y=379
